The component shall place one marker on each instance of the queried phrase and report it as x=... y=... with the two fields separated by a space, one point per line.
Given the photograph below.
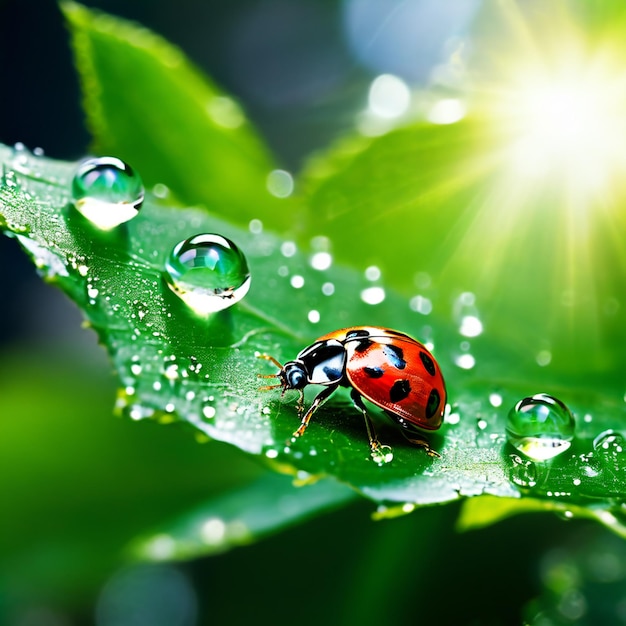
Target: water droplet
x=465 y=361
x=420 y=304
x=372 y=273
x=314 y=316
x=107 y=191
x=610 y=441
x=543 y=358
x=321 y=261
x=297 y=281
x=209 y=412
x=447 y=111
x=255 y=226
x=540 y=427
x=382 y=454
x=523 y=473
x=288 y=248
x=280 y=183
x=495 y=399
x=389 y=96
x=328 y=289
x=373 y=295
x=208 y=272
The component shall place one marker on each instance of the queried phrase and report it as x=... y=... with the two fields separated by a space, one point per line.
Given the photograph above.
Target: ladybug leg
x=416 y=439
x=375 y=445
x=319 y=399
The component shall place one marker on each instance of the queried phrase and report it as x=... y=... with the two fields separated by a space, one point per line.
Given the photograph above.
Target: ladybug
x=386 y=367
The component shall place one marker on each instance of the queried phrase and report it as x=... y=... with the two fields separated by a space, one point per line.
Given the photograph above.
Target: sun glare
x=570 y=131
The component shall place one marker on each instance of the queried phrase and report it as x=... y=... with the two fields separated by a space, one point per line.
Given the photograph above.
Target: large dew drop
x=208 y=272
x=540 y=427
x=107 y=191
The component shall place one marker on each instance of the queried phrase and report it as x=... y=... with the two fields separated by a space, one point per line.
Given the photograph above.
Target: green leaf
x=175 y=365
x=458 y=235
x=240 y=517
x=146 y=103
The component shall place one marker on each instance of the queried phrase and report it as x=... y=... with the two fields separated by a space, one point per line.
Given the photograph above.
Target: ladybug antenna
x=271 y=359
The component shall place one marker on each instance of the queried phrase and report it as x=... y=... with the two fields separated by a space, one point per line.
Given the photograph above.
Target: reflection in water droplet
x=208 y=272
x=541 y=427
x=107 y=191
x=382 y=454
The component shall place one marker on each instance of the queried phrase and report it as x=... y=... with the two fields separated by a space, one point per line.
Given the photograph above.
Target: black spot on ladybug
x=433 y=403
x=395 y=356
x=363 y=345
x=399 y=390
x=373 y=372
x=428 y=363
x=358 y=333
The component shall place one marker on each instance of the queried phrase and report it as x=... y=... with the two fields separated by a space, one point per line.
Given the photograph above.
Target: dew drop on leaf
x=382 y=454
x=610 y=442
x=208 y=272
x=541 y=427
x=107 y=191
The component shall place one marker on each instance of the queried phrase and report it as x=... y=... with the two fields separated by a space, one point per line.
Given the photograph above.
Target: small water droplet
x=280 y=183
x=288 y=248
x=255 y=226
x=161 y=191
x=321 y=261
x=373 y=295
x=209 y=412
x=495 y=399
x=314 y=316
x=523 y=473
x=372 y=273
x=208 y=272
x=540 y=427
x=610 y=441
x=382 y=454
x=297 y=281
x=543 y=358
x=107 y=191
x=465 y=361
x=421 y=304
x=328 y=289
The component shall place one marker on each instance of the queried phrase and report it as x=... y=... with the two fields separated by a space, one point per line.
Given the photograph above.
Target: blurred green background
x=77 y=485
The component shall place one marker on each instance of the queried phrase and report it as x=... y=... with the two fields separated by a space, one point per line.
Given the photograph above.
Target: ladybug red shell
x=386 y=367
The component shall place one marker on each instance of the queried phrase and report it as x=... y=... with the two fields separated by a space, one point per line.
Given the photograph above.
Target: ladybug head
x=293 y=375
